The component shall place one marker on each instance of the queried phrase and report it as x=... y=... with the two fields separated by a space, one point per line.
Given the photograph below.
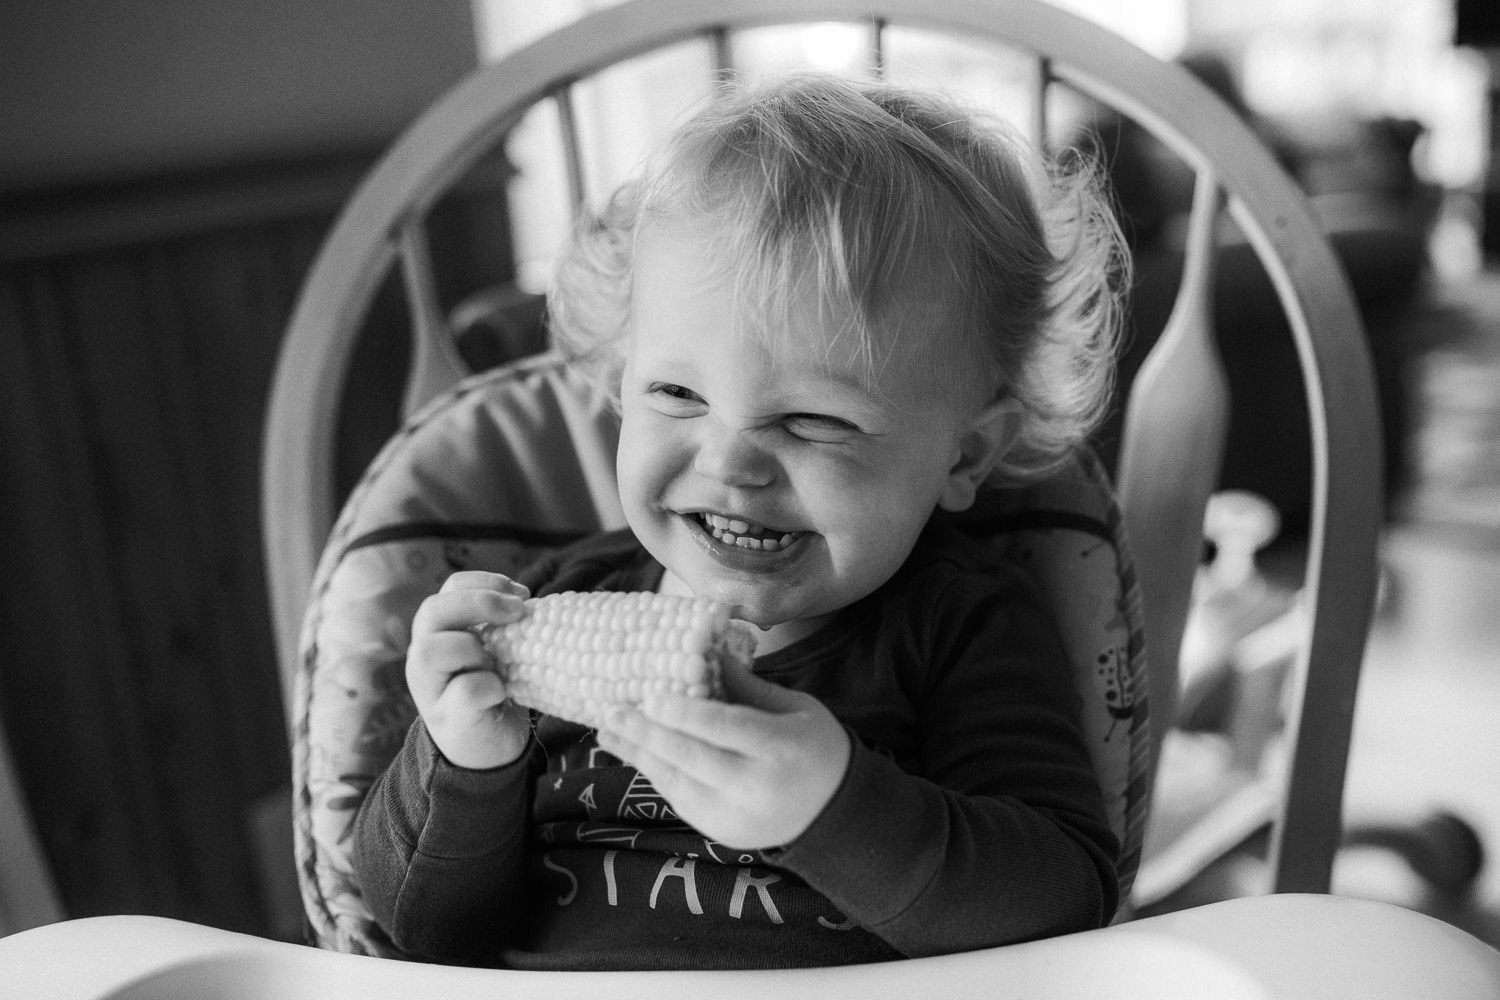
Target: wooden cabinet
x=138 y=332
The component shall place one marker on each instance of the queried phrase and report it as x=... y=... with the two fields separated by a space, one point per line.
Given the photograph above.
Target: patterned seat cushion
x=519 y=460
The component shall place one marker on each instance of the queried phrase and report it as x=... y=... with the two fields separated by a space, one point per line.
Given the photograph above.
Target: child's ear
x=988 y=438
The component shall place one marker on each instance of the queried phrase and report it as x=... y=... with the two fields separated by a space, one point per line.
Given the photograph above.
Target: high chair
x=489 y=469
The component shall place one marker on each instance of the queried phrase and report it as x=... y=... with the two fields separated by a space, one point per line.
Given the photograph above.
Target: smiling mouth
x=745 y=535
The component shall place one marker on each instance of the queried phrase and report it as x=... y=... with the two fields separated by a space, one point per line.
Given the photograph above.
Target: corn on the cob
x=575 y=655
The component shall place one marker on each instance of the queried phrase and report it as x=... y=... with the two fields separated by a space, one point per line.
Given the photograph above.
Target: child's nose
x=733 y=457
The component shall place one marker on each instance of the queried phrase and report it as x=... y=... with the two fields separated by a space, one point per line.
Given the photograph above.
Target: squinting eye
x=673 y=399
x=670 y=390
x=819 y=427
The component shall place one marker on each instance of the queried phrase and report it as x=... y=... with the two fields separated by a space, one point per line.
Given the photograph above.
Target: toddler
x=830 y=313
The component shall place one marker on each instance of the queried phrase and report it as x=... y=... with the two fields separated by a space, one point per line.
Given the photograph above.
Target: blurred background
x=168 y=170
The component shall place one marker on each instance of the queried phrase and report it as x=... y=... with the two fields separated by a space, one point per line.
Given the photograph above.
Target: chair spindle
x=435 y=361
x=1178 y=411
x=1042 y=80
x=572 y=144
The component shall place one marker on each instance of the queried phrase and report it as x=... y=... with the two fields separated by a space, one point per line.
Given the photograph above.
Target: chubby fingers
x=470 y=598
x=743 y=687
x=678 y=763
x=733 y=728
x=436 y=659
x=675 y=739
x=477 y=579
x=740 y=774
x=444 y=647
x=671 y=726
x=787 y=731
x=754 y=710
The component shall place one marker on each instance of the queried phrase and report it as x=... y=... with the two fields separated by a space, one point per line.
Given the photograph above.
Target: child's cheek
x=643 y=464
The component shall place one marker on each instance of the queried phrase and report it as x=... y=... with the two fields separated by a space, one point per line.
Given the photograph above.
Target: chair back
x=1174 y=423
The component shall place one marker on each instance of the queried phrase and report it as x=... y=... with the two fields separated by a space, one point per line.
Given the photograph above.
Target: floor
x=1426 y=733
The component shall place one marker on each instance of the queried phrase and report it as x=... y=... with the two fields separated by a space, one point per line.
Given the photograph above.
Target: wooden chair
x=1177 y=413
x=1287 y=945
x=1172 y=438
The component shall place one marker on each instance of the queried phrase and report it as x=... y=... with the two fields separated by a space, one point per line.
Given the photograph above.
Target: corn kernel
x=577 y=655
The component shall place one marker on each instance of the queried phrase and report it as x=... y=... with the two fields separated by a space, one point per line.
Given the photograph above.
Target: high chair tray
x=1287 y=946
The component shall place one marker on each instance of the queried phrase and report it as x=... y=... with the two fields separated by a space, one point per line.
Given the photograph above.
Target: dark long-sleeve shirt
x=969 y=815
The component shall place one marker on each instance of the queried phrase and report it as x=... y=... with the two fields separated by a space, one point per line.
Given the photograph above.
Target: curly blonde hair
x=911 y=216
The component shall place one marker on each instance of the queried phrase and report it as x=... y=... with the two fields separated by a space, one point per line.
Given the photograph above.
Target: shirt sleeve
x=439 y=851
x=1003 y=836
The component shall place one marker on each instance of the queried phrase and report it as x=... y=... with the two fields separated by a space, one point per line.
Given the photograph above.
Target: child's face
x=824 y=477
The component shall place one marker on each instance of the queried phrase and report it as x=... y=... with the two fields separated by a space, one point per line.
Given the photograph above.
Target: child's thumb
x=742 y=687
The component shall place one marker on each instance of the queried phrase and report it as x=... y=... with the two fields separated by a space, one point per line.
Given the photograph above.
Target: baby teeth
x=727 y=524
x=731 y=531
x=760 y=544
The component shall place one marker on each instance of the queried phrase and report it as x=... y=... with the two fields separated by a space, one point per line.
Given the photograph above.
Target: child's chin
x=744 y=607
x=765 y=611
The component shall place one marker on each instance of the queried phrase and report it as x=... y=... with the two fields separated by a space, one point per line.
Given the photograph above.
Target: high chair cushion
x=516 y=461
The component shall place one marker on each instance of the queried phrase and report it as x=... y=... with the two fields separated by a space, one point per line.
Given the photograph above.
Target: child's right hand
x=457 y=690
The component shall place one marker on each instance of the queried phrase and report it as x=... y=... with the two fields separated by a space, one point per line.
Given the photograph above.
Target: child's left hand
x=751 y=772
